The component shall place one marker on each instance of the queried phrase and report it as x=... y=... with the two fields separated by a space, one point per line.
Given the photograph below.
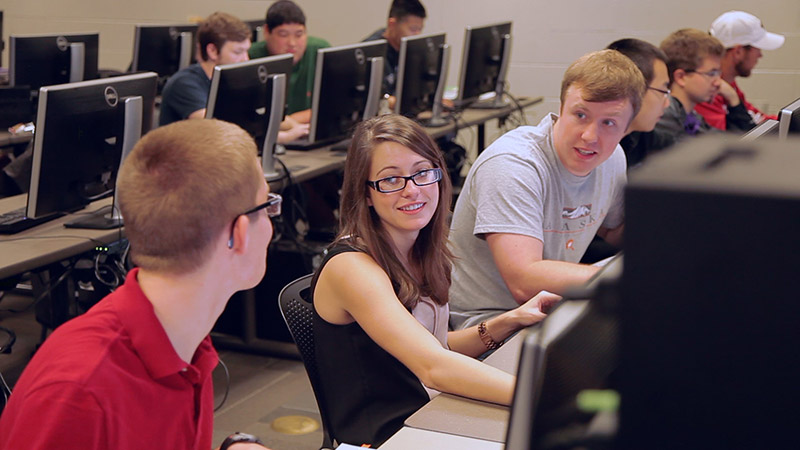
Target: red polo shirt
x=111 y=379
x=716 y=110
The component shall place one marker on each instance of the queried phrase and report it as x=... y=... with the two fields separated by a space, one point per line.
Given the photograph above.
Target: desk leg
x=56 y=303
x=481 y=137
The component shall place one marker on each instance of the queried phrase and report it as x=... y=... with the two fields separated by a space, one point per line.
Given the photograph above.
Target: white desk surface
x=412 y=438
x=451 y=414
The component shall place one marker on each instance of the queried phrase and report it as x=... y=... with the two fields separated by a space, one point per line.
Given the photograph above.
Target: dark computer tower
x=710 y=309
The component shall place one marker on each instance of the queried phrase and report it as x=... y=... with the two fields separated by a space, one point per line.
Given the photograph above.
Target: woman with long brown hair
x=381 y=294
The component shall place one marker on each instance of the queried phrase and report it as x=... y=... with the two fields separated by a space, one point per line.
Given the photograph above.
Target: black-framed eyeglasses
x=272 y=205
x=398 y=182
x=713 y=74
x=666 y=92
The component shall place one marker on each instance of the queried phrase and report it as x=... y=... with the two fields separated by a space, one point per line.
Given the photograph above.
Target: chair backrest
x=294 y=302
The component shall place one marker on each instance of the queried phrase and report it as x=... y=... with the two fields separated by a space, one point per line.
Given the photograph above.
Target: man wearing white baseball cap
x=743 y=36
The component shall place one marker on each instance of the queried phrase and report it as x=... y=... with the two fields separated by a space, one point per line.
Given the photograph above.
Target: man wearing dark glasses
x=135 y=371
x=696 y=74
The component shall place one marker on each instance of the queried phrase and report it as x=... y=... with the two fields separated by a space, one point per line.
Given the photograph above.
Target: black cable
x=227 y=385
x=68 y=271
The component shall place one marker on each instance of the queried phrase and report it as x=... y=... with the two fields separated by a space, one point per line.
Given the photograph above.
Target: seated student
x=652 y=62
x=535 y=198
x=406 y=18
x=135 y=371
x=222 y=39
x=380 y=295
x=694 y=68
x=743 y=37
x=285 y=32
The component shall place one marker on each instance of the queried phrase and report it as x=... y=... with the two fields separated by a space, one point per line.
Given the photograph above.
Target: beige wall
x=547 y=35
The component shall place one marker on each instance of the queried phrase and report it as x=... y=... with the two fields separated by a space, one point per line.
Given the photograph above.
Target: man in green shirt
x=285 y=32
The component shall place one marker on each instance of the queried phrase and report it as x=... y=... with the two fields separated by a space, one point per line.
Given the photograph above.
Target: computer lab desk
x=453 y=422
x=49 y=242
x=478 y=117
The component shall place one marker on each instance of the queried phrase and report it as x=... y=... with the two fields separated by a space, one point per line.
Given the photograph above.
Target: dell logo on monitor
x=360 y=58
x=62 y=43
x=262 y=74
x=112 y=98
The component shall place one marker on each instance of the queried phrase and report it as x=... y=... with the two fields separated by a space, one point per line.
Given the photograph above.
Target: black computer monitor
x=252 y=94
x=768 y=127
x=44 y=60
x=484 y=63
x=789 y=120
x=2 y=42
x=421 y=77
x=572 y=352
x=347 y=88
x=164 y=49
x=81 y=132
x=257 y=27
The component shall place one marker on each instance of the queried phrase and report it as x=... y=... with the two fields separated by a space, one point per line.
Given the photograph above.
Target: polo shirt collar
x=151 y=342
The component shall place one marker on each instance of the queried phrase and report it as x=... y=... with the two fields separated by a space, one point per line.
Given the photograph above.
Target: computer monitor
x=257 y=26
x=572 y=351
x=164 y=49
x=252 y=94
x=49 y=59
x=421 y=77
x=2 y=42
x=347 y=88
x=768 y=127
x=484 y=63
x=81 y=132
x=789 y=120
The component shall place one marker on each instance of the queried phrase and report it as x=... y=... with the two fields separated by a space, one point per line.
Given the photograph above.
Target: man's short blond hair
x=605 y=76
x=181 y=186
x=687 y=48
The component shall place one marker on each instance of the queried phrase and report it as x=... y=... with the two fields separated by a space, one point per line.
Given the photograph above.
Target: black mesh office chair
x=295 y=305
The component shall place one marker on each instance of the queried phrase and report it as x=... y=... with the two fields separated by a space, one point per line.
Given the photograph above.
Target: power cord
x=227 y=385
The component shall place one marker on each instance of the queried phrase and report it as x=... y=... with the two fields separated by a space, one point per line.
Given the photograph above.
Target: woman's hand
x=537 y=308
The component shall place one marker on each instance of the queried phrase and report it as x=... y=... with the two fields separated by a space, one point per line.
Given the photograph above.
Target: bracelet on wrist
x=486 y=338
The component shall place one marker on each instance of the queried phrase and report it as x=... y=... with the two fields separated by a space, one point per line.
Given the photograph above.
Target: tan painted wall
x=548 y=35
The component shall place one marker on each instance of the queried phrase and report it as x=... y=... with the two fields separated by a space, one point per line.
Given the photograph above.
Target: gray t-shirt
x=518 y=185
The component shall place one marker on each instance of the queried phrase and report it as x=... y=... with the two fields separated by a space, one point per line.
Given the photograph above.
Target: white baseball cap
x=740 y=28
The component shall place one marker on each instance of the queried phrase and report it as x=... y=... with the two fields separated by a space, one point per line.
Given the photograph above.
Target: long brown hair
x=359 y=222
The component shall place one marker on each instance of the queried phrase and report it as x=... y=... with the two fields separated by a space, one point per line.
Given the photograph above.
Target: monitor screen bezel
x=34 y=208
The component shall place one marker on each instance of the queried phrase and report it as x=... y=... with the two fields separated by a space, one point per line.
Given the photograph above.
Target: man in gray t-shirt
x=533 y=201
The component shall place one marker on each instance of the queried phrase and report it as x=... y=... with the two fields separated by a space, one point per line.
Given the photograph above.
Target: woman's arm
x=353 y=287
x=468 y=341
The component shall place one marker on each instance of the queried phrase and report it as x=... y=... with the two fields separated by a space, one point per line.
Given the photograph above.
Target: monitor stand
x=494 y=102
x=98 y=220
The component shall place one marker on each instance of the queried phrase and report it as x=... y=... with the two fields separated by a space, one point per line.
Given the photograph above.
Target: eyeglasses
x=713 y=74
x=398 y=183
x=666 y=92
x=272 y=205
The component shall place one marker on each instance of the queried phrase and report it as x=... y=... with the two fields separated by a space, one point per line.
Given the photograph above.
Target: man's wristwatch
x=239 y=437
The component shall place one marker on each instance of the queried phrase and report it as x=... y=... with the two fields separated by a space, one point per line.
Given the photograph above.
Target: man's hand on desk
x=292 y=130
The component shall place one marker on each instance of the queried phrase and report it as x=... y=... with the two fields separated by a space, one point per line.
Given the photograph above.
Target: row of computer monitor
x=43 y=60
x=81 y=126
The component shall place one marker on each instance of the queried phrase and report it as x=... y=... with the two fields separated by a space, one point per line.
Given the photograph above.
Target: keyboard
x=15 y=221
x=304 y=144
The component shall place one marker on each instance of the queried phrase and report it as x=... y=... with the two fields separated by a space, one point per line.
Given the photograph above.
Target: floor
x=268 y=396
